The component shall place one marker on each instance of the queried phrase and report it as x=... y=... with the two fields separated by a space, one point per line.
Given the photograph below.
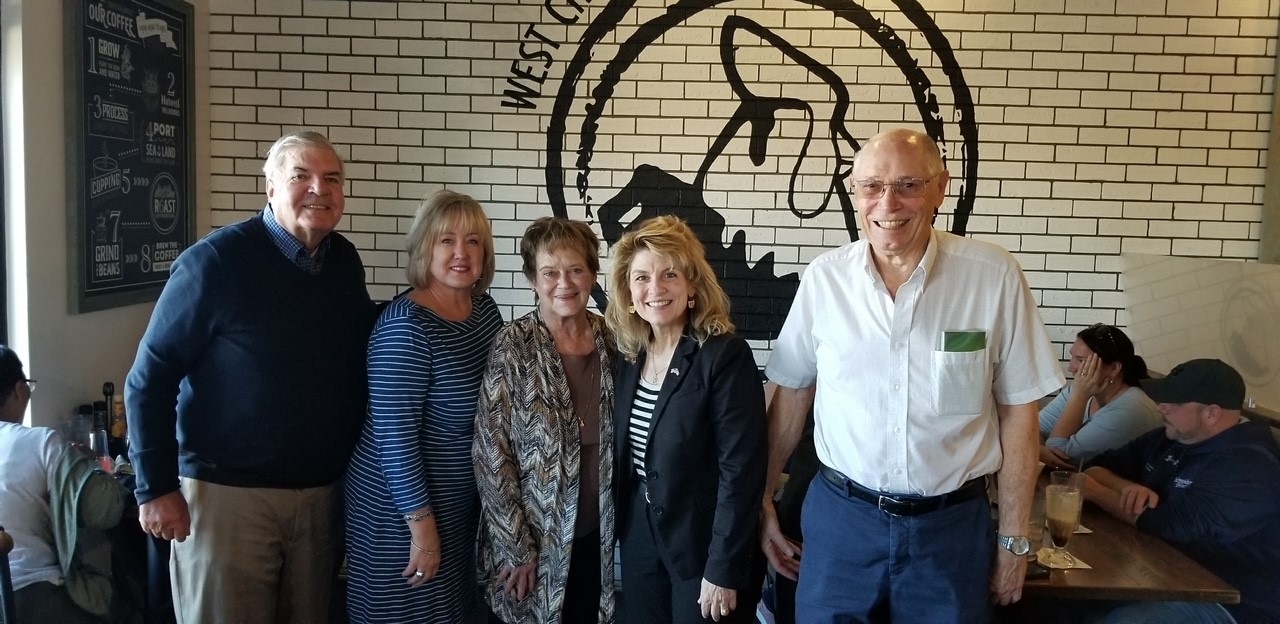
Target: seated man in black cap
x=1208 y=483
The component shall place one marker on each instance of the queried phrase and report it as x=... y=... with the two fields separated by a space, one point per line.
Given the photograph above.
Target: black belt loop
x=902 y=504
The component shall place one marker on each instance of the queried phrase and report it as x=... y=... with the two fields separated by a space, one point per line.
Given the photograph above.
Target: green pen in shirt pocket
x=964 y=341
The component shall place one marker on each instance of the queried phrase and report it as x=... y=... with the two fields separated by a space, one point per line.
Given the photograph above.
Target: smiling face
x=457 y=257
x=306 y=194
x=898 y=227
x=563 y=283
x=659 y=292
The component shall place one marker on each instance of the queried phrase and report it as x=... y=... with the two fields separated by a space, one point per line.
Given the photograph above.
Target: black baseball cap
x=1211 y=382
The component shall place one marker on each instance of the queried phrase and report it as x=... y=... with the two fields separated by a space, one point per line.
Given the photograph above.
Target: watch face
x=1017 y=545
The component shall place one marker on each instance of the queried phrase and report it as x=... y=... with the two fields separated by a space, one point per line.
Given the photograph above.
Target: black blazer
x=706 y=459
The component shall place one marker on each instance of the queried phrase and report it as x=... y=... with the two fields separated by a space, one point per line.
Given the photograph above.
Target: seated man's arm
x=1233 y=497
x=1116 y=495
x=101 y=502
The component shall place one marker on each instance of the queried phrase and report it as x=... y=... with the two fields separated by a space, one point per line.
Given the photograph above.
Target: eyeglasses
x=905 y=187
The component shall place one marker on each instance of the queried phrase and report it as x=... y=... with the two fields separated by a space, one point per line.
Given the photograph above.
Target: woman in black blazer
x=690 y=435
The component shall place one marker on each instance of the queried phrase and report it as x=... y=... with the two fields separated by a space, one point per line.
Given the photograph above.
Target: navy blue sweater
x=251 y=372
x=1219 y=503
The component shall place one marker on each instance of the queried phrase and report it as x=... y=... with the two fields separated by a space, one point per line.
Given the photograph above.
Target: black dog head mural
x=824 y=140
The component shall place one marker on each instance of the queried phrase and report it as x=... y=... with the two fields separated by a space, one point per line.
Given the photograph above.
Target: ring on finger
x=419 y=574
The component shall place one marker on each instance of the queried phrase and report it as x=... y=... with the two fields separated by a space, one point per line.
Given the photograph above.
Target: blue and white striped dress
x=415 y=449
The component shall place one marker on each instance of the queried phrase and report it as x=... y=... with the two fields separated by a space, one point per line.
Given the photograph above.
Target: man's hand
x=1007 y=576
x=1135 y=499
x=783 y=554
x=166 y=517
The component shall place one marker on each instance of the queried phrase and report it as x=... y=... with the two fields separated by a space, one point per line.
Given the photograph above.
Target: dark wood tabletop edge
x=1046 y=588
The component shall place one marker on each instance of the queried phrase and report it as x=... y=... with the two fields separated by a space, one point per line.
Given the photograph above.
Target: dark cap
x=1211 y=382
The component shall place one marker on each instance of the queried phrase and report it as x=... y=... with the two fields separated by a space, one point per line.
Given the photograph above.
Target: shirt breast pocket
x=963 y=382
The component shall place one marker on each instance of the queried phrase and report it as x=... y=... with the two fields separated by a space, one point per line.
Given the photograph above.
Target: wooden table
x=1128 y=565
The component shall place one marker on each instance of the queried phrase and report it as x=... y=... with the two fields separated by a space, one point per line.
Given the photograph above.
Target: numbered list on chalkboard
x=136 y=148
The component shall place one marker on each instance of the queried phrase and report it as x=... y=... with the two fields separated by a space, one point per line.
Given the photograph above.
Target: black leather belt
x=902 y=504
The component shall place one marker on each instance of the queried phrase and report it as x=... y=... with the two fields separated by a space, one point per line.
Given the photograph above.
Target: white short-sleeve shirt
x=26 y=455
x=894 y=411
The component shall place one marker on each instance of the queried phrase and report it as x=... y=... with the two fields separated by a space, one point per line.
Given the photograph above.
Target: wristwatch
x=1016 y=544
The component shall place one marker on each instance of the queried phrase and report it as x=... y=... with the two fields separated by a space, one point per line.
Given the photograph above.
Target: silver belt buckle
x=880 y=500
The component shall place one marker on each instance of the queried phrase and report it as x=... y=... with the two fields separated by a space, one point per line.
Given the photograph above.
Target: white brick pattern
x=1105 y=126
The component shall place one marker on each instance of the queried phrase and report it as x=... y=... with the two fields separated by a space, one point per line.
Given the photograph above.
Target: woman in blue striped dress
x=412 y=507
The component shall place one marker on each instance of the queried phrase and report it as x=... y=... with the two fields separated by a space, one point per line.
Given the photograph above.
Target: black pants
x=582 y=587
x=46 y=603
x=651 y=595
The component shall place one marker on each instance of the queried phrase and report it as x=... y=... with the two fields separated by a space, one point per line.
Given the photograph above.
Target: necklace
x=655 y=378
x=657 y=365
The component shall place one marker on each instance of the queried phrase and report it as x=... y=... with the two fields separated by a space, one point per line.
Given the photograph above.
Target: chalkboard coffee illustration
x=107 y=258
x=130 y=145
x=150 y=90
x=164 y=203
x=108 y=176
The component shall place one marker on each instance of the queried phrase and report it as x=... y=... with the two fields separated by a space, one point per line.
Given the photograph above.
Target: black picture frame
x=130 y=85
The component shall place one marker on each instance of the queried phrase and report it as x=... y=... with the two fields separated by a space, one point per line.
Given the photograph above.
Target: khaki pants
x=257 y=555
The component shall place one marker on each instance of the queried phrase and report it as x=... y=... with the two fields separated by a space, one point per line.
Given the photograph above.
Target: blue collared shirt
x=292 y=248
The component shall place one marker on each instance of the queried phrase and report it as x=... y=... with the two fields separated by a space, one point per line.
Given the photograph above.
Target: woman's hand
x=1090 y=380
x=424 y=552
x=518 y=582
x=716 y=601
x=1055 y=458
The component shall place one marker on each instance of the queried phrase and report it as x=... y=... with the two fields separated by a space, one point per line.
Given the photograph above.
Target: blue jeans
x=1165 y=613
x=863 y=565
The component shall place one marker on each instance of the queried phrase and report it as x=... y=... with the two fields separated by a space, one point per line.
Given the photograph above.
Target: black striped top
x=641 y=418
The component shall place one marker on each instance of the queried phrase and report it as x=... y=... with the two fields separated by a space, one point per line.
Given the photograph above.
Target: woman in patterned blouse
x=544 y=442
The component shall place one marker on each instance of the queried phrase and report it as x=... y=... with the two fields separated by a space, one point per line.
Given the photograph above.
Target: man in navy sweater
x=247 y=397
x=1208 y=483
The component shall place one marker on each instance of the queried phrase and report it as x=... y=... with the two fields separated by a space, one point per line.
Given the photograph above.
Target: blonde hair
x=671 y=239
x=443 y=210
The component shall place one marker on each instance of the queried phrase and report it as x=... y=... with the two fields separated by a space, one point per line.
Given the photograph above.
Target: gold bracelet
x=418 y=517
x=421 y=549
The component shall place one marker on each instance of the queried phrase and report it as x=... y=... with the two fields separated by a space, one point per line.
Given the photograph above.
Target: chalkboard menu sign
x=130 y=127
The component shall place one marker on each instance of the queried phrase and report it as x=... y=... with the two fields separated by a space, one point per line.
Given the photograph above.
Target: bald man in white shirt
x=923 y=355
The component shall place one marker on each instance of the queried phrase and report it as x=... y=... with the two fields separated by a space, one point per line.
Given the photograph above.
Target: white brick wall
x=1105 y=126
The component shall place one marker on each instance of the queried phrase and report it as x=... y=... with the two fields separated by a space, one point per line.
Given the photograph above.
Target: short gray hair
x=293 y=141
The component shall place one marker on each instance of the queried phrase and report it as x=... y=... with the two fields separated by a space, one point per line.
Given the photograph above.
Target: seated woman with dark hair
x=49 y=493
x=1103 y=407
